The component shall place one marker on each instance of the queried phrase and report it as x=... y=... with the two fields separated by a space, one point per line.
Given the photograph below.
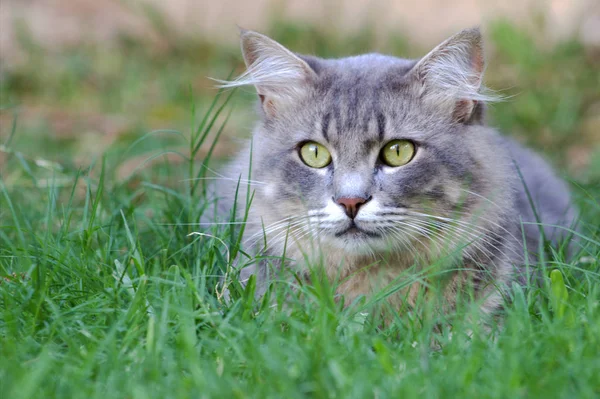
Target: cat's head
x=354 y=149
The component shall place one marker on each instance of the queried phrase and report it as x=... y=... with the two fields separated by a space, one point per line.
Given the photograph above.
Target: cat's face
x=357 y=150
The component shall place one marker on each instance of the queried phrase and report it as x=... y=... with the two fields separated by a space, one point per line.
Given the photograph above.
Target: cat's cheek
x=453 y=192
x=269 y=191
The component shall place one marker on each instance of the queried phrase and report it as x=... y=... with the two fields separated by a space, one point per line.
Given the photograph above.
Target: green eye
x=397 y=152
x=315 y=155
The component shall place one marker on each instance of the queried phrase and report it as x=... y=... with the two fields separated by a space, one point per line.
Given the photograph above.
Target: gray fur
x=461 y=188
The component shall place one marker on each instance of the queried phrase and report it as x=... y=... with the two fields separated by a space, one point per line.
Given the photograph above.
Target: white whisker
x=244 y=181
x=205 y=223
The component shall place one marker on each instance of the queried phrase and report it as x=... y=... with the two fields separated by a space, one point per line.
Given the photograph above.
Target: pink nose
x=351 y=205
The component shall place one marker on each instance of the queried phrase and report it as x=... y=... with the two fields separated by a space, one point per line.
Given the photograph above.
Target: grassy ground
x=104 y=293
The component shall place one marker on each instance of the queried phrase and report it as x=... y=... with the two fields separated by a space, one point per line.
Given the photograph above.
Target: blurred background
x=84 y=78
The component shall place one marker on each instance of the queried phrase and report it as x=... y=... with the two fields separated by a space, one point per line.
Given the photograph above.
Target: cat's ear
x=280 y=76
x=450 y=76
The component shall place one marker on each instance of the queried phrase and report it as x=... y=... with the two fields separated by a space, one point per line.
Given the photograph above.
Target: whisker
x=204 y=223
x=442 y=211
x=424 y=227
x=482 y=197
x=290 y=228
x=412 y=236
x=316 y=212
x=479 y=234
x=446 y=219
x=285 y=235
x=226 y=178
x=405 y=241
x=268 y=229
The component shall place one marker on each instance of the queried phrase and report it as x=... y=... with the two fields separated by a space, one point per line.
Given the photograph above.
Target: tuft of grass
x=105 y=290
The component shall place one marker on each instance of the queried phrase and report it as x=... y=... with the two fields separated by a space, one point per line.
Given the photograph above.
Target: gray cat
x=371 y=166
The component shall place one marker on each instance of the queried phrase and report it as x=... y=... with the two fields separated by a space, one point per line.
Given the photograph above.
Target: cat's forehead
x=370 y=67
x=359 y=97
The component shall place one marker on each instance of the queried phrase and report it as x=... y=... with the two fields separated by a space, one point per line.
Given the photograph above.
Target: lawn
x=104 y=292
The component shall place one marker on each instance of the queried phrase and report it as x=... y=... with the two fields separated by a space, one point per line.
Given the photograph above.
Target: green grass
x=104 y=293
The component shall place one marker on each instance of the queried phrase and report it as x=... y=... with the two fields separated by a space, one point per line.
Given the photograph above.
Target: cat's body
x=460 y=196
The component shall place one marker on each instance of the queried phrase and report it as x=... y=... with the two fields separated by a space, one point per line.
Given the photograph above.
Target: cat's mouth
x=354 y=231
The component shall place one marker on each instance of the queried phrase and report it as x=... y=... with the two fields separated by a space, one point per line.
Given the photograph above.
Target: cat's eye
x=315 y=155
x=397 y=152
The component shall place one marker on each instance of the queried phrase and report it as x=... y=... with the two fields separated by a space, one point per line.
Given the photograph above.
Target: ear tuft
x=452 y=73
x=277 y=73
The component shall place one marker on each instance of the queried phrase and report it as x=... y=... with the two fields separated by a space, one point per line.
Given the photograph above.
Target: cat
x=371 y=166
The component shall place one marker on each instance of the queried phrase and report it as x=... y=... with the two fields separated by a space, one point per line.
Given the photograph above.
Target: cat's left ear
x=280 y=76
x=450 y=76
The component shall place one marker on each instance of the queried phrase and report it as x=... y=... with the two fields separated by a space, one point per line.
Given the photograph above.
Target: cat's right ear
x=280 y=76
